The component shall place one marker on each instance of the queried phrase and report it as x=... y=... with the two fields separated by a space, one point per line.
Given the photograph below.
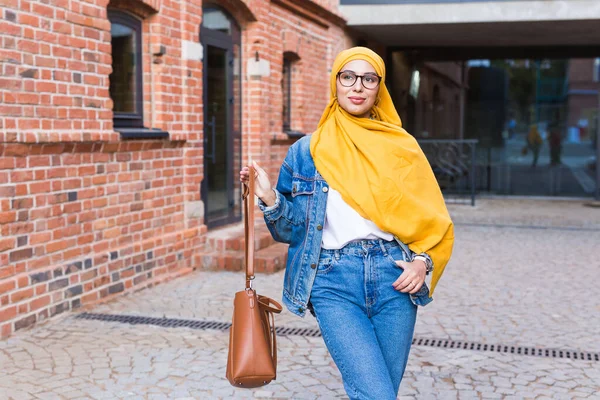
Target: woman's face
x=357 y=99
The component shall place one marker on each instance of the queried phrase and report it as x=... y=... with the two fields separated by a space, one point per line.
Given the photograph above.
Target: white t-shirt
x=343 y=224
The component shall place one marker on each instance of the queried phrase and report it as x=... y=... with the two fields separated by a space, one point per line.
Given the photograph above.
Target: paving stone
x=504 y=285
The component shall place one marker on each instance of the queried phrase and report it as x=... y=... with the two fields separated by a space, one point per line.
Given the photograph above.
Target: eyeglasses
x=369 y=80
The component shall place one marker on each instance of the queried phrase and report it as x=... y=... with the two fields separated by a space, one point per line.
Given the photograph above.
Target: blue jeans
x=366 y=324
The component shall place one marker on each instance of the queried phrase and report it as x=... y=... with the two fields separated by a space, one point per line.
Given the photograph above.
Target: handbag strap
x=271 y=307
x=273 y=335
x=248 y=197
x=269 y=304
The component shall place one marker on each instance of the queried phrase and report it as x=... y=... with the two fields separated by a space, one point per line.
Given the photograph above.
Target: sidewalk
x=524 y=273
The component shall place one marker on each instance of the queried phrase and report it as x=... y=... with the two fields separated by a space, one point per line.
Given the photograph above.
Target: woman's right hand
x=262 y=184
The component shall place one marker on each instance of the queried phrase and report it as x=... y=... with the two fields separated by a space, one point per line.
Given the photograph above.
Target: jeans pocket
x=421 y=298
x=326 y=264
x=396 y=254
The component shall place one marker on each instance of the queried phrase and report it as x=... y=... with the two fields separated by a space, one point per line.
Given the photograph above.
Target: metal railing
x=453 y=163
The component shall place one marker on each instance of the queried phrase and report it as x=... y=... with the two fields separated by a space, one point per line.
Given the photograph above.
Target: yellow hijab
x=380 y=170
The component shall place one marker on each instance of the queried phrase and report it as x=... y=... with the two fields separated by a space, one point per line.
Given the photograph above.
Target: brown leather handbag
x=252 y=360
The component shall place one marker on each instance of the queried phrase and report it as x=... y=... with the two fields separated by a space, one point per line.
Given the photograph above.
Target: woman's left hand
x=412 y=278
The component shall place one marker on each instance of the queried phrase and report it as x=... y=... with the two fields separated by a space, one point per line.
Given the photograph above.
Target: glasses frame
x=362 y=82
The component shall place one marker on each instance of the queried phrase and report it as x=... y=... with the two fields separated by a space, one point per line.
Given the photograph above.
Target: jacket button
x=313 y=265
x=325 y=189
x=319 y=228
x=301 y=310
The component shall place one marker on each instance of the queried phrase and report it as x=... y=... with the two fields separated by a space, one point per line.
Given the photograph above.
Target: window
x=215 y=19
x=126 y=77
x=289 y=63
x=286 y=84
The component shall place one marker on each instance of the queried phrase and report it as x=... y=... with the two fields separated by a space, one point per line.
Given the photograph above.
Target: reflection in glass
x=286 y=87
x=415 y=81
x=536 y=120
x=237 y=126
x=532 y=118
x=237 y=90
x=216 y=135
x=123 y=77
x=216 y=20
x=222 y=117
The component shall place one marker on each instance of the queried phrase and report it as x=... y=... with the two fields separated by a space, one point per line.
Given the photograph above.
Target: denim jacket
x=297 y=218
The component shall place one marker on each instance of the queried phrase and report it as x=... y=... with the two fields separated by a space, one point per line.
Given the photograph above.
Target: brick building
x=584 y=84
x=123 y=124
x=435 y=110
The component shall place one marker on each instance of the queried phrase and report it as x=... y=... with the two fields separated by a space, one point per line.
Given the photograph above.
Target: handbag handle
x=268 y=304
x=248 y=197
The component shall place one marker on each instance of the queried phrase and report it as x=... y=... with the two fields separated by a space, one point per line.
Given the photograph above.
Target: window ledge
x=142 y=133
x=294 y=134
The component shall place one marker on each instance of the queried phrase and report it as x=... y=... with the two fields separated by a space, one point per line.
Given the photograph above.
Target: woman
x=534 y=143
x=366 y=222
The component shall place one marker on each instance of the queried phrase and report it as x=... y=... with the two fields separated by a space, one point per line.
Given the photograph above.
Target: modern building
x=491 y=70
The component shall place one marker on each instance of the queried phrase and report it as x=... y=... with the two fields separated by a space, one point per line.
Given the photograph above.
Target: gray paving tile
x=523 y=273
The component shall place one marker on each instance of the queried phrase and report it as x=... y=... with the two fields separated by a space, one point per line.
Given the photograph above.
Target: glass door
x=220 y=37
x=217 y=173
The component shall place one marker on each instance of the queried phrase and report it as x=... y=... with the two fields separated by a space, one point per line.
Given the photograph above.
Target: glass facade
x=535 y=120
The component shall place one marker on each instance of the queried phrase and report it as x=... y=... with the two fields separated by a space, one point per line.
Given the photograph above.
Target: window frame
x=136 y=119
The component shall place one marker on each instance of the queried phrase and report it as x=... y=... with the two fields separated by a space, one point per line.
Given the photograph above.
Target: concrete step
x=271 y=259
x=266 y=260
x=220 y=260
x=231 y=238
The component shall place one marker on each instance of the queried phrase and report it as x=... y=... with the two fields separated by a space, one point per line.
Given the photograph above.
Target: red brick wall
x=54 y=81
x=582 y=107
x=583 y=96
x=581 y=70
x=85 y=215
x=315 y=39
x=84 y=221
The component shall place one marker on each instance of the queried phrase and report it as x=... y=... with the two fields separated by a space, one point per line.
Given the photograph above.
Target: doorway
x=221 y=39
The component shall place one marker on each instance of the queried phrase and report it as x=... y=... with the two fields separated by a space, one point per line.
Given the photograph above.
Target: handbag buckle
x=249 y=282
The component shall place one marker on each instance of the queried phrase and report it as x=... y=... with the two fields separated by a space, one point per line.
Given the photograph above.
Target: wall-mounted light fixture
x=162 y=50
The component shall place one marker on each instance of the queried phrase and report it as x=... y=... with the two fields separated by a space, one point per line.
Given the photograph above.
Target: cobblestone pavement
x=524 y=273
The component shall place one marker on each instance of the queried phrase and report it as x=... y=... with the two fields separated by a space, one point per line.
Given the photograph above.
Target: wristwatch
x=427 y=260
